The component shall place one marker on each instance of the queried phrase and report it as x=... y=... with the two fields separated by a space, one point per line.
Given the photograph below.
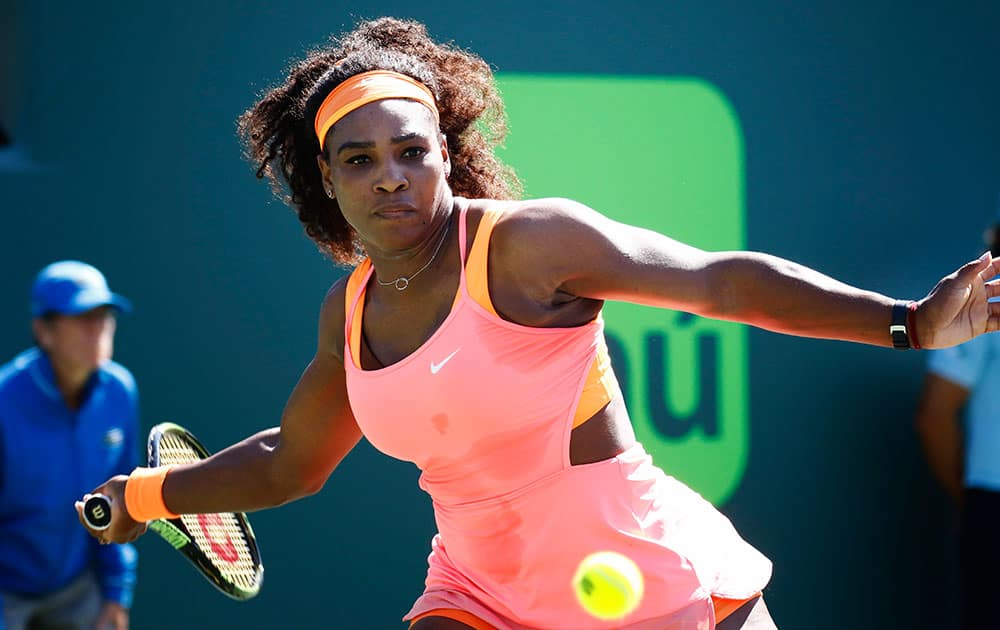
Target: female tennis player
x=468 y=339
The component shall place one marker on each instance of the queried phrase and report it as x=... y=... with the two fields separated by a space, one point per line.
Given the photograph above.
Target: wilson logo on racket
x=211 y=524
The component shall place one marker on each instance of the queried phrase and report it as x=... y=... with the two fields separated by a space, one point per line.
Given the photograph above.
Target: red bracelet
x=911 y=325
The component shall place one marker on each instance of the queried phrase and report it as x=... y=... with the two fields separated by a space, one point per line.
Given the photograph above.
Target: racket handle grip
x=97 y=512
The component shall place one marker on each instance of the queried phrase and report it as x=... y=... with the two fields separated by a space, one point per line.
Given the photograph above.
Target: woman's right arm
x=277 y=465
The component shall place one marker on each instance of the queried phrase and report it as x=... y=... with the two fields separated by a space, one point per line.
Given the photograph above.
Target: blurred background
x=870 y=150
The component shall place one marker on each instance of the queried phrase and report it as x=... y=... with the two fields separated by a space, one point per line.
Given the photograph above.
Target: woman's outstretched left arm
x=575 y=250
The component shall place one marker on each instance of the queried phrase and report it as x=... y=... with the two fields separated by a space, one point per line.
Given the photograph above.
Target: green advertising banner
x=665 y=154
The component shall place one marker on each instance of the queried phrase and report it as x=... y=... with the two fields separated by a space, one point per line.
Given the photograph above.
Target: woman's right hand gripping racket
x=222 y=546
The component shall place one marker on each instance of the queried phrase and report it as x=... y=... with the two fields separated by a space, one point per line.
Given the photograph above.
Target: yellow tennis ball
x=608 y=585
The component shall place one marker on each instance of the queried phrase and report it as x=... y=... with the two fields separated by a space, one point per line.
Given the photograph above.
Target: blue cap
x=70 y=287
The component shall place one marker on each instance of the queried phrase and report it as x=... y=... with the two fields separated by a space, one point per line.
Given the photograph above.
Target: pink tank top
x=485 y=409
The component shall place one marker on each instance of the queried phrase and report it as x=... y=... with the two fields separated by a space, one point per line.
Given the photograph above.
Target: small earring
x=329 y=194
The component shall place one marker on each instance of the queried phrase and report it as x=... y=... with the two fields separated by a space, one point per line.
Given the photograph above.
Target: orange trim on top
x=458 y=615
x=476 y=280
x=599 y=388
x=365 y=88
x=354 y=286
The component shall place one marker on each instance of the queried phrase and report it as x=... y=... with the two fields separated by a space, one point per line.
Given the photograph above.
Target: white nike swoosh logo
x=436 y=367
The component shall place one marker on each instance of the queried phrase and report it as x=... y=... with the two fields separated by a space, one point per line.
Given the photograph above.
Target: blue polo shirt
x=50 y=455
x=975 y=365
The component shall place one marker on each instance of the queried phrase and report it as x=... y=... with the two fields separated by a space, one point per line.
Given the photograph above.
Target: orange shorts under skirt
x=723 y=608
x=458 y=615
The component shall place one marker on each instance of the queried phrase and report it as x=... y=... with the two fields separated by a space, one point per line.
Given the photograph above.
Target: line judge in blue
x=68 y=421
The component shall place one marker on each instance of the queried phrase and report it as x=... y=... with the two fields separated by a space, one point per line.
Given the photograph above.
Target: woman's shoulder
x=333 y=316
x=536 y=242
x=531 y=216
x=540 y=206
x=535 y=222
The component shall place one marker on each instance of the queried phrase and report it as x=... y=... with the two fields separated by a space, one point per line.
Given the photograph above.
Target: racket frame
x=176 y=534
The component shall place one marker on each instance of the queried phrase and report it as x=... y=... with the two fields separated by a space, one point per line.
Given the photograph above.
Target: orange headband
x=365 y=88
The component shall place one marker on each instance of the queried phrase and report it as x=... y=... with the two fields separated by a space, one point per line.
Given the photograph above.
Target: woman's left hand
x=958 y=308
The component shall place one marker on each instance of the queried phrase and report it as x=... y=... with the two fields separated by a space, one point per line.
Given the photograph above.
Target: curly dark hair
x=278 y=137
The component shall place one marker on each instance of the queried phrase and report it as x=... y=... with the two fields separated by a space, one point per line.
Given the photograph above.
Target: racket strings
x=172 y=450
x=223 y=541
x=221 y=537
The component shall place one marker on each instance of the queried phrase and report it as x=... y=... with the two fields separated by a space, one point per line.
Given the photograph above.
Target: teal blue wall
x=872 y=153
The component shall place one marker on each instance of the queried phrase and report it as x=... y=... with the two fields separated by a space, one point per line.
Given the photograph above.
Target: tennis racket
x=221 y=546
